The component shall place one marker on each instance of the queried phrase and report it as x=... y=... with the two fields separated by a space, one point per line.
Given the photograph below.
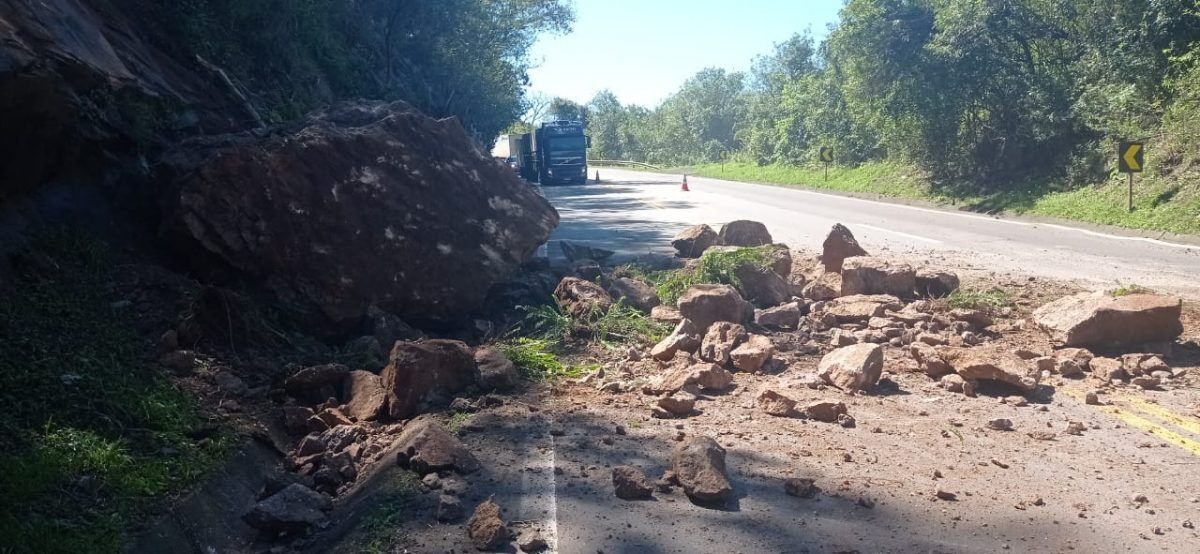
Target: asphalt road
x=637 y=213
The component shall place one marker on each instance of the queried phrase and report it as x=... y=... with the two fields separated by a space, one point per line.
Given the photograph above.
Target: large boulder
x=425 y=446
x=634 y=292
x=362 y=203
x=839 y=245
x=860 y=308
x=852 y=368
x=744 y=232
x=699 y=464
x=1103 y=321
x=421 y=375
x=992 y=363
x=582 y=299
x=693 y=241
x=784 y=316
x=865 y=275
x=706 y=304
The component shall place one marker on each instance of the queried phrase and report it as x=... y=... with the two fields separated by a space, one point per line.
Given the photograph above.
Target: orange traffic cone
x=684 y=186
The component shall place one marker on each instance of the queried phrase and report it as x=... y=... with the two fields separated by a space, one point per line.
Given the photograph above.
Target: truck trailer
x=554 y=153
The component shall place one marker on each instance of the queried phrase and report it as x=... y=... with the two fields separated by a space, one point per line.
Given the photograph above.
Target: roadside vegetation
x=990 y=301
x=94 y=438
x=714 y=267
x=1009 y=106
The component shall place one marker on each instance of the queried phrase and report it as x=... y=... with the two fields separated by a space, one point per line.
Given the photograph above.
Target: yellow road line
x=1156 y=430
x=1166 y=415
x=1149 y=409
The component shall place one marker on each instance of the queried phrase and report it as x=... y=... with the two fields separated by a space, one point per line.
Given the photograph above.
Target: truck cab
x=561 y=149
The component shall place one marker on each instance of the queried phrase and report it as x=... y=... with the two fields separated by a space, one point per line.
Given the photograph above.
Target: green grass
x=714 y=267
x=623 y=324
x=990 y=301
x=457 y=419
x=1161 y=204
x=380 y=524
x=94 y=439
x=535 y=358
x=1126 y=290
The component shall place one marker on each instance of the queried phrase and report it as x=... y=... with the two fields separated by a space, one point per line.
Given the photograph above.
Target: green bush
x=714 y=267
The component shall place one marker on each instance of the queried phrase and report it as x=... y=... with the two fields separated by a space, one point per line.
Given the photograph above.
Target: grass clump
x=379 y=526
x=625 y=324
x=714 y=267
x=94 y=438
x=536 y=359
x=1126 y=290
x=990 y=301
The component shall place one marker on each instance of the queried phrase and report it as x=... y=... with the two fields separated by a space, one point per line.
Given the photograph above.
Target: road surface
x=636 y=213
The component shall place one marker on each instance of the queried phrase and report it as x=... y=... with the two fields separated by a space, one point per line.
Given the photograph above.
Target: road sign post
x=826 y=158
x=1131 y=158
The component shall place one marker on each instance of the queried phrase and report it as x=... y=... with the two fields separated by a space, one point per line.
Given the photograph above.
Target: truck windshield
x=563 y=144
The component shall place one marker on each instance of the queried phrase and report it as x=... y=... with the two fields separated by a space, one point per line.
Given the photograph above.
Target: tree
x=564 y=109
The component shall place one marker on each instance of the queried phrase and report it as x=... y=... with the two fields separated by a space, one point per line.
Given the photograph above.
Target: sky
x=643 y=50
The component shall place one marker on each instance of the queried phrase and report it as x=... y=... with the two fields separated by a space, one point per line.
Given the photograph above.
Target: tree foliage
x=991 y=92
x=465 y=58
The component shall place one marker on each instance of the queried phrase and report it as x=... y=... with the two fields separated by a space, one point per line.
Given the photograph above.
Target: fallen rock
x=573 y=252
x=486 y=528
x=1107 y=369
x=364 y=395
x=928 y=359
x=685 y=338
x=582 y=299
x=420 y=375
x=496 y=371
x=530 y=540
x=752 y=355
x=852 y=368
x=776 y=404
x=630 y=483
x=839 y=245
x=291 y=510
x=310 y=212
x=744 y=232
x=693 y=241
x=449 y=508
x=678 y=403
x=866 y=275
x=708 y=377
x=800 y=487
x=860 y=308
x=722 y=337
x=992 y=363
x=707 y=304
x=824 y=411
x=666 y=314
x=312 y=379
x=1100 y=320
x=634 y=293
x=1000 y=424
x=425 y=446
x=784 y=316
x=932 y=283
x=295 y=419
x=699 y=466
x=977 y=319
x=823 y=288
x=762 y=286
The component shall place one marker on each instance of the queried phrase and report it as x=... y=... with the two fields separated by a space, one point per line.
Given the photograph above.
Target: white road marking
x=914 y=237
x=978 y=217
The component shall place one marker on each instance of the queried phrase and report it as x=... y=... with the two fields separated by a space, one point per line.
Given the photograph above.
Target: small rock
x=1000 y=424
x=827 y=412
x=680 y=403
x=449 y=508
x=942 y=494
x=630 y=483
x=800 y=487
x=293 y=509
x=486 y=529
x=531 y=541
x=1092 y=399
x=776 y=404
x=699 y=464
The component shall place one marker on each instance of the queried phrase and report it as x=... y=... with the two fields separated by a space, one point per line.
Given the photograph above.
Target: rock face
x=1100 y=320
x=291 y=510
x=992 y=363
x=425 y=446
x=707 y=304
x=363 y=203
x=582 y=298
x=486 y=528
x=364 y=395
x=839 y=245
x=693 y=241
x=852 y=368
x=635 y=293
x=865 y=275
x=743 y=232
x=424 y=374
x=699 y=464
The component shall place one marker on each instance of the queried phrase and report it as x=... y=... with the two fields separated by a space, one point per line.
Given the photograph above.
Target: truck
x=555 y=152
x=509 y=150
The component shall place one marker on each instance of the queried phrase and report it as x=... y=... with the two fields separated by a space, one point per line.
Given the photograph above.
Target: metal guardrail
x=624 y=162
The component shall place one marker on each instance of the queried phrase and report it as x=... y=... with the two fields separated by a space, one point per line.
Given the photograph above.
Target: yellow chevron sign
x=826 y=154
x=1131 y=157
